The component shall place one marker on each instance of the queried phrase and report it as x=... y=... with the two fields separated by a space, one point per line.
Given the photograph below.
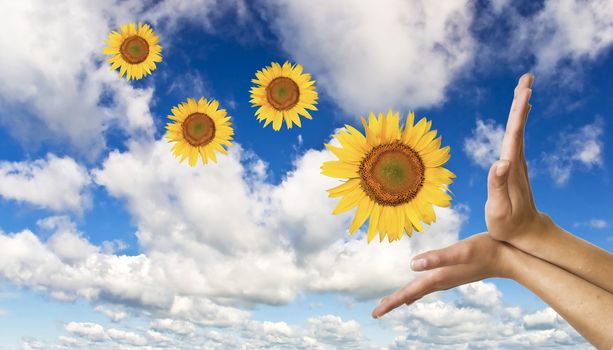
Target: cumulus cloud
x=546 y=318
x=52 y=183
x=371 y=56
x=433 y=322
x=483 y=146
x=578 y=148
x=465 y=324
x=565 y=30
x=113 y=313
x=56 y=84
x=480 y=294
x=319 y=332
x=175 y=326
x=282 y=239
x=281 y=242
x=87 y=330
x=63 y=91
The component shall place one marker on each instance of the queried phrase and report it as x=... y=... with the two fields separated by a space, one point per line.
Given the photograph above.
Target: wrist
x=509 y=260
x=534 y=233
x=515 y=262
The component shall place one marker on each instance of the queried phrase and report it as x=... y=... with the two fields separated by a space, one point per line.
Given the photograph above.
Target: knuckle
x=435 y=259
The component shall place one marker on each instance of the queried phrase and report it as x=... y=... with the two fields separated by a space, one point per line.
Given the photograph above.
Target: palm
x=510 y=211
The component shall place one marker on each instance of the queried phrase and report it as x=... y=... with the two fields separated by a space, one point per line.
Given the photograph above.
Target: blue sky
x=108 y=242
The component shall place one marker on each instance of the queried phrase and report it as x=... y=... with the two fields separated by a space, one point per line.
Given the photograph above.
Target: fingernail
x=502 y=167
x=418 y=264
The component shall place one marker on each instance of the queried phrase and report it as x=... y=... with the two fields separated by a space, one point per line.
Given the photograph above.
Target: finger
x=498 y=203
x=525 y=167
x=439 y=279
x=414 y=290
x=513 y=138
x=458 y=253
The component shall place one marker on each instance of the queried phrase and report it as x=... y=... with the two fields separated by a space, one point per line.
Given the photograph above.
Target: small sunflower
x=135 y=50
x=283 y=93
x=199 y=129
x=394 y=176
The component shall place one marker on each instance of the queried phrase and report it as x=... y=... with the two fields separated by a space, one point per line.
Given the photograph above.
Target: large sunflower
x=135 y=50
x=283 y=93
x=199 y=129
x=394 y=176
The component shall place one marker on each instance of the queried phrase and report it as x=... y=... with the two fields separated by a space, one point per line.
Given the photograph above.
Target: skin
x=586 y=307
x=524 y=245
x=511 y=214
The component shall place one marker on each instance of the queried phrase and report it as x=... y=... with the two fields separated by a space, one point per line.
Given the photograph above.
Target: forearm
x=585 y=306
x=559 y=247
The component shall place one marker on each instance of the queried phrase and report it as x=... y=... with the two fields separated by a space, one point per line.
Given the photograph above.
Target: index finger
x=514 y=134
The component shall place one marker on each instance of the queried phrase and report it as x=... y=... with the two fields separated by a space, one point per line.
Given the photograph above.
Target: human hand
x=510 y=212
x=469 y=260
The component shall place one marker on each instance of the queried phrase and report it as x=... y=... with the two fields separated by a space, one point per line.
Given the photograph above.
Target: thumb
x=498 y=200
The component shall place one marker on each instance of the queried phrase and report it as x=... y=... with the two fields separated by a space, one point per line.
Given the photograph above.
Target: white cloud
x=546 y=318
x=331 y=329
x=125 y=337
x=593 y=223
x=464 y=324
x=175 y=326
x=480 y=294
x=182 y=225
x=66 y=242
x=429 y=323
x=582 y=147
x=194 y=262
x=370 y=56
x=572 y=30
x=52 y=183
x=114 y=314
x=63 y=91
x=57 y=87
x=171 y=13
x=87 y=330
x=483 y=147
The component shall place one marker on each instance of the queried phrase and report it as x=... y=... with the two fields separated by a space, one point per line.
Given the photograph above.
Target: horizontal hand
x=472 y=259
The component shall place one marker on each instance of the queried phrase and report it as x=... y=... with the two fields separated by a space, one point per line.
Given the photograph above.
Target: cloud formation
x=564 y=30
x=433 y=322
x=370 y=56
x=483 y=147
x=53 y=183
x=56 y=83
x=578 y=148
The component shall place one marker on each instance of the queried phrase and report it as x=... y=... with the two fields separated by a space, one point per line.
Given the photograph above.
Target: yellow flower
x=283 y=93
x=135 y=50
x=394 y=176
x=199 y=129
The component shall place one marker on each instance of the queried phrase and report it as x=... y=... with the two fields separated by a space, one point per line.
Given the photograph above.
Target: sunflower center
x=198 y=129
x=392 y=174
x=282 y=93
x=134 y=49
